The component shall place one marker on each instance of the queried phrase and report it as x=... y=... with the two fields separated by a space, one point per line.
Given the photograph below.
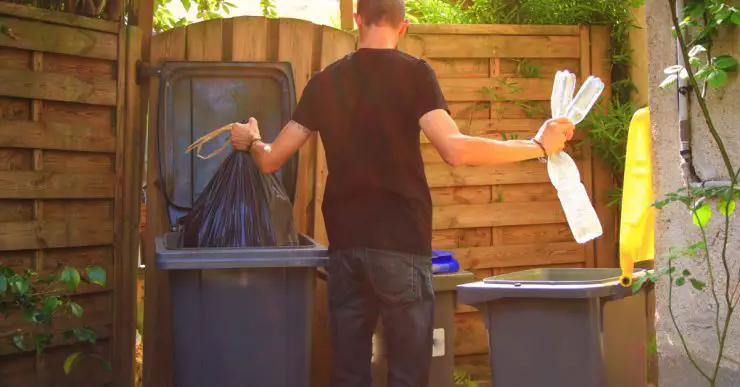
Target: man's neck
x=378 y=38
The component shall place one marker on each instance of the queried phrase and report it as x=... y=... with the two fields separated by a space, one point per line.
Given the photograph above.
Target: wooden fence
x=70 y=173
x=497 y=80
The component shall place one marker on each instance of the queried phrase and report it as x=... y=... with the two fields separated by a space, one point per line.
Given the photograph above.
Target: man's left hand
x=243 y=135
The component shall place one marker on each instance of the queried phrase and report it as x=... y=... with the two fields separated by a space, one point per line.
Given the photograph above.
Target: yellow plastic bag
x=637 y=224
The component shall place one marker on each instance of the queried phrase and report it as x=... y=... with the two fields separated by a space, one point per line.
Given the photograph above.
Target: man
x=370 y=108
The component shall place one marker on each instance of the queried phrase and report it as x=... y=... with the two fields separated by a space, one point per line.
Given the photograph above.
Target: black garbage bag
x=240 y=207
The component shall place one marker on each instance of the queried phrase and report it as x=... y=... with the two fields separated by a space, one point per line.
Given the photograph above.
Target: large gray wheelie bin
x=241 y=317
x=563 y=328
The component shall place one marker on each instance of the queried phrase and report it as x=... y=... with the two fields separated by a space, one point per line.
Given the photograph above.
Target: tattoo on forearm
x=301 y=127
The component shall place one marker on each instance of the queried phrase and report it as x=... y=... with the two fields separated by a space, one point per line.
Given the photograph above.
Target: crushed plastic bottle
x=563 y=172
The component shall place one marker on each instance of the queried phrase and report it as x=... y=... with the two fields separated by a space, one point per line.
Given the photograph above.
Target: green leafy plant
x=42 y=299
x=205 y=10
x=704 y=71
x=462 y=379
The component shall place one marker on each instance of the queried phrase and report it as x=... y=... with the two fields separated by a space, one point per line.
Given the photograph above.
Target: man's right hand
x=554 y=133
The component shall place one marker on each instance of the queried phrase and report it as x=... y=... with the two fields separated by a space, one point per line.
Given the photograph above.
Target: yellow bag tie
x=198 y=144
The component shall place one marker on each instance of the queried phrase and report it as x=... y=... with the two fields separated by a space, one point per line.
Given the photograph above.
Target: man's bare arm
x=271 y=157
x=459 y=149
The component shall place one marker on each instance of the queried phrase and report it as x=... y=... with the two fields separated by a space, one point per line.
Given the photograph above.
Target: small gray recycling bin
x=563 y=327
x=443 y=353
x=241 y=317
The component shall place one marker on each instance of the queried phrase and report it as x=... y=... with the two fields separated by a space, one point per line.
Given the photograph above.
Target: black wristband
x=544 y=151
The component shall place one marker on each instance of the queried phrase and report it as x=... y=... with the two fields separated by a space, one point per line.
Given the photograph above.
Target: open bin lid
x=198 y=97
x=637 y=221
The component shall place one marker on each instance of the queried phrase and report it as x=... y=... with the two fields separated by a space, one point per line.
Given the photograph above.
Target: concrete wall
x=694 y=310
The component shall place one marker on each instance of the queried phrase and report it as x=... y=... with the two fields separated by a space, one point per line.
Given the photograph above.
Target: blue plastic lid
x=442 y=254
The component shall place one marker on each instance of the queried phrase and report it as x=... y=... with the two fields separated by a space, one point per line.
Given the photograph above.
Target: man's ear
x=358 y=20
x=403 y=27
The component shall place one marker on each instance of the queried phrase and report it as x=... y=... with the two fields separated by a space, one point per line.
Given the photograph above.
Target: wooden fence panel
x=68 y=163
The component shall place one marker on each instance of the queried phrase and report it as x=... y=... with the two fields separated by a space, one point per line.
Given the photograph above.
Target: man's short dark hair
x=375 y=12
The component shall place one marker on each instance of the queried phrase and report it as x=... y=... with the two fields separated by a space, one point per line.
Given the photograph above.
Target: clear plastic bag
x=240 y=207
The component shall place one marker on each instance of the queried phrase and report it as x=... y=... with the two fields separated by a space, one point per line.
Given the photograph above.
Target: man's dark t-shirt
x=367 y=107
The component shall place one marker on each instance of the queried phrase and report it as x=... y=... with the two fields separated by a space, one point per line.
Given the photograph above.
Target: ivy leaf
x=71 y=277
x=680 y=281
x=726 y=207
x=703 y=73
x=50 y=303
x=75 y=309
x=3 y=284
x=717 y=78
x=698 y=285
x=96 y=275
x=637 y=285
x=105 y=364
x=70 y=362
x=19 y=342
x=686 y=273
x=669 y=81
x=702 y=215
x=725 y=62
x=735 y=18
x=86 y=335
x=21 y=285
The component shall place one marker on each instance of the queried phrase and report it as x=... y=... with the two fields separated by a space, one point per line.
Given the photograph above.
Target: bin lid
x=199 y=97
x=637 y=220
x=441 y=254
x=547 y=283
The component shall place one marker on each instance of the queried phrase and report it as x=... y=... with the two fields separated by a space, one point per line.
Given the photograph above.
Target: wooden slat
x=441 y=175
x=492 y=46
x=446 y=239
x=460 y=67
x=54 y=234
x=204 y=41
x=57 y=87
x=533 y=233
x=62 y=18
x=461 y=195
x=495 y=214
x=492 y=29
x=538 y=254
x=56 y=185
x=56 y=135
x=255 y=46
x=129 y=167
x=295 y=40
x=412 y=45
x=521 y=193
x=606 y=247
x=37 y=36
x=545 y=67
x=169 y=45
x=471 y=337
x=485 y=89
x=346 y=10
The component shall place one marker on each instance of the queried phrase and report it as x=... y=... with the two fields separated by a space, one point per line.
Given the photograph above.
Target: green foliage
x=462 y=379
x=205 y=10
x=41 y=300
